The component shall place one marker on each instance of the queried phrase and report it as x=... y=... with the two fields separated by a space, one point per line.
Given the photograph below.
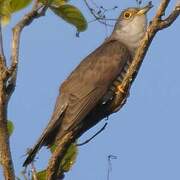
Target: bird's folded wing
x=55 y=121
x=78 y=108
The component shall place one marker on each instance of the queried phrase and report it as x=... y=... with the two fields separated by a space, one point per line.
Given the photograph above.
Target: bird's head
x=131 y=26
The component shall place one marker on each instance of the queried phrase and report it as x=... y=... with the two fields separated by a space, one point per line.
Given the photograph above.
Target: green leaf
x=41 y=175
x=16 y=5
x=58 y=3
x=5 y=20
x=69 y=158
x=7 y=7
x=4 y=8
x=72 y=15
x=54 y=2
x=45 y=1
x=52 y=148
x=10 y=127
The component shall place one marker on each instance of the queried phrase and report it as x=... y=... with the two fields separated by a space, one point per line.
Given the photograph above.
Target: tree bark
x=5 y=154
x=8 y=78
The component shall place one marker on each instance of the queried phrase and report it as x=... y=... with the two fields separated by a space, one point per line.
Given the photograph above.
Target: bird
x=92 y=84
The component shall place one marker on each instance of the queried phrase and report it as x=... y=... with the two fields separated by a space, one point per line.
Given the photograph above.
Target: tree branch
x=2 y=56
x=57 y=156
x=161 y=10
x=1 y=46
x=155 y=25
x=170 y=19
x=7 y=86
x=16 y=34
x=5 y=154
x=120 y=98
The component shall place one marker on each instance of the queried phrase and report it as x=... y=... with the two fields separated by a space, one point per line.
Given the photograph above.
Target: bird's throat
x=131 y=33
x=131 y=40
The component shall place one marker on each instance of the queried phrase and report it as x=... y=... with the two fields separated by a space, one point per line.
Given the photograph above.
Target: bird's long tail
x=46 y=139
x=32 y=153
x=48 y=136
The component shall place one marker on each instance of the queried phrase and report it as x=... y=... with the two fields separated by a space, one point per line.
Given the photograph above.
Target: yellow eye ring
x=127 y=15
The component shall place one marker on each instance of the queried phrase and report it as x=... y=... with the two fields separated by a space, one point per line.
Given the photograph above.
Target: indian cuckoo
x=84 y=94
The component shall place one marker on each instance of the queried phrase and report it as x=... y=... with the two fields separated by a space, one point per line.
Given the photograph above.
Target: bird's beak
x=145 y=9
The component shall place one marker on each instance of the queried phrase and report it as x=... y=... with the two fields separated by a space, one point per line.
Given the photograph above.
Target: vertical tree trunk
x=5 y=154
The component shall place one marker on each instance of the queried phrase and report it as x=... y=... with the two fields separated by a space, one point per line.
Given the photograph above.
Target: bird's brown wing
x=89 y=82
x=79 y=107
x=82 y=90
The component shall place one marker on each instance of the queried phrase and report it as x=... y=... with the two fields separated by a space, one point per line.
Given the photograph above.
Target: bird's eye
x=127 y=15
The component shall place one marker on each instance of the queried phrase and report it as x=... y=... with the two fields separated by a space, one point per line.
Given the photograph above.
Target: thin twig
x=170 y=19
x=161 y=10
x=26 y=20
x=100 y=19
x=2 y=56
x=110 y=157
x=108 y=19
x=1 y=42
x=87 y=141
x=34 y=172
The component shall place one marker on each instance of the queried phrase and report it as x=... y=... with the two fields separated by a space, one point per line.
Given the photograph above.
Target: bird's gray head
x=131 y=26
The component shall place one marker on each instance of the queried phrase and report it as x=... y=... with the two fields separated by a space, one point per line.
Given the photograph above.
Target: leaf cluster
x=61 y=8
x=8 y=7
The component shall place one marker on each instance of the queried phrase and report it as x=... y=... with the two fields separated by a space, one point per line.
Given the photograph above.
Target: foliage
x=69 y=158
x=17 y=5
x=54 y=2
x=61 y=8
x=72 y=15
x=10 y=127
x=41 y=175
x=8 y=7
x=67 y=12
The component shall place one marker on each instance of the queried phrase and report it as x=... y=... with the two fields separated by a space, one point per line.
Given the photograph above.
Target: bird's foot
x=120 y=89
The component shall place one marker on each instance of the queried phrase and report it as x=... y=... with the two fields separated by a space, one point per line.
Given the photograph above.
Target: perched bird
x=90 y=86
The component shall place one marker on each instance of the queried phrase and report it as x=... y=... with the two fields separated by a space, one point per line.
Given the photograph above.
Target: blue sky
x=144 y=135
